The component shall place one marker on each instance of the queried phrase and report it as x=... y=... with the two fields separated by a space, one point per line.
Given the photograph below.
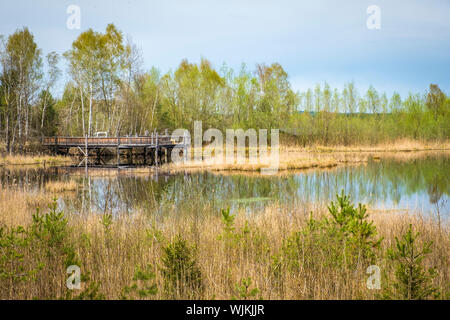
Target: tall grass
x=18 y=159
x=296 y=157
x=60 y=186
x=275 y=254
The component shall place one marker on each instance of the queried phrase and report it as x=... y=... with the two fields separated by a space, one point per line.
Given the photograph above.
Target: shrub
x=142 y=285
x=13 y=268
x=90 y=292
x=412 y=281
x=352 y=225
x=180 y=270
x=346 y=239
x=51 y=232
x=244 y=289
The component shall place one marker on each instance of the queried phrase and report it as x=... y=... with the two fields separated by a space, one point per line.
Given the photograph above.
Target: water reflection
x=421 y=184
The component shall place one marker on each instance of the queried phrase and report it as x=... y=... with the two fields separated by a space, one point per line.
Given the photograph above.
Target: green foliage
x=412 y=280
x=51 y=232
x=277 y=272
x=230 y=235
x=107 y=221
x=46 y=120
x=109 y=91
x=50 y=228
x=142 y=285
x=90 y=292
x=318 y=239
x=228 y=220
x=13 y=243
x=435 y=100
x=346 y=239
x=96 y=60
x=180 y=269
x=352 y=224
x=154 y=235
x=250 y=241
x=43 y=247
x=244 y=290
x=21 y=65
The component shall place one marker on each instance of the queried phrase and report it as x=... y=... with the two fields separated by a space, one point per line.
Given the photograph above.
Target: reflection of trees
x=26 y=178
x=425 y=174
x=375 y=182
x=197 y=193
x=434 y=191
x=177 y=194
x=118 y=194
x=379 y=181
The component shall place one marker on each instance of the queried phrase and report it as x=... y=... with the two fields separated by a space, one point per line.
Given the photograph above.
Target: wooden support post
x=118 y=150
x=145 y=156
x=98 y=152
x=86 y=150
x=156 y=150
x=185 y=147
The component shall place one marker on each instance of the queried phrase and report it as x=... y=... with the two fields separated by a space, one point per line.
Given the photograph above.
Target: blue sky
x=315 y=41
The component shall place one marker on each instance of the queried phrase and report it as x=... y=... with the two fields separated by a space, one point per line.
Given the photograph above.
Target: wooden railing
x=111 y=141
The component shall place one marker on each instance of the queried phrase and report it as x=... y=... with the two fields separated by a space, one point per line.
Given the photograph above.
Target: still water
x=420 y=186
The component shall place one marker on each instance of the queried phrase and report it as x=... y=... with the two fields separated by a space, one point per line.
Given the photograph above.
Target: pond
x=420 y=185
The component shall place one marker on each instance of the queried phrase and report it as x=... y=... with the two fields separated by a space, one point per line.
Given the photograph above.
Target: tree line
x=108 y=90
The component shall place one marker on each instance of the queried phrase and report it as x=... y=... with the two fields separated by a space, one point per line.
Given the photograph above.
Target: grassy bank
x=282 y=253
x=33 y=160
x=294 y=157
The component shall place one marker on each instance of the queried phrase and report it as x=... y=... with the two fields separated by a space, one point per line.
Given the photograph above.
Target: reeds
x=109 y=253
x=60 y=186
x=292 y=157
x=33 y=160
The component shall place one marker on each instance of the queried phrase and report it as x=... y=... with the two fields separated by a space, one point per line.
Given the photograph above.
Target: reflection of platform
x=156 y=148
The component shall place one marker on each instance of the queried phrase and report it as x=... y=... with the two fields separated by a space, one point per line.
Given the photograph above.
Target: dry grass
x=60 y=186
x=223 y=268
x=292 y=157
x=299 y=158
x=404 y=145
x=138 y=239
x=33 y=160
x=16 y=206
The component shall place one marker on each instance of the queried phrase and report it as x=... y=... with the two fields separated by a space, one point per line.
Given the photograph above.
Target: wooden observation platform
x=155 y=149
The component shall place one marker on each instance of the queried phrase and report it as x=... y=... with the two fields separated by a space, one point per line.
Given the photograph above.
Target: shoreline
x=297 y=159
x=25 y=160
x=292 y=158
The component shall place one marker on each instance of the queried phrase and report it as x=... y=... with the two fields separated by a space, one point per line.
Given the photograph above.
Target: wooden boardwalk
x=155 y=148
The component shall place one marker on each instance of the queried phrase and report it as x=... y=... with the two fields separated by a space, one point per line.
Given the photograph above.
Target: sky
x=314 y=41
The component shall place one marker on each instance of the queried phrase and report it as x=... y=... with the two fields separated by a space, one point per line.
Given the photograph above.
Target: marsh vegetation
x=345 y=197
x=206 y=235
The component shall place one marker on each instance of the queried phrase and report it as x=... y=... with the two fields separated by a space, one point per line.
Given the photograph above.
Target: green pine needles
x=180 y=270
x=412 y=281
